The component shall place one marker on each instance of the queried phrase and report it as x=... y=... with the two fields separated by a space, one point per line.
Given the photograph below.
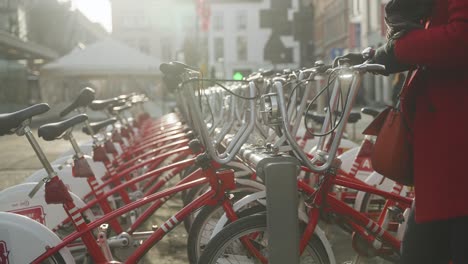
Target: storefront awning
x=14 y=48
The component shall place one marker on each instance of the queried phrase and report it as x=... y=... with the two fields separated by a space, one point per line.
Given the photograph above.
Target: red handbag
x=392 y=154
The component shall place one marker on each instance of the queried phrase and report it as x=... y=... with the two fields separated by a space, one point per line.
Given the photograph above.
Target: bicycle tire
x=202 y=228
x=372 y=204
x=184 y=174
x=240 y=191
x=191 y=195
x=254 y=223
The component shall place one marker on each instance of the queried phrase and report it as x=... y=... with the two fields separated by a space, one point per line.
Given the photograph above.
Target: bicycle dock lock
x=280 y=176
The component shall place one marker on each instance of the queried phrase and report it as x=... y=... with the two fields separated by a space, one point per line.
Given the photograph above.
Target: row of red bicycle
x=92 y=203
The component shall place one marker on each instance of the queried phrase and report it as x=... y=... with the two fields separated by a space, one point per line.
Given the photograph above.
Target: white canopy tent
x=104 y=58
x=108 y=66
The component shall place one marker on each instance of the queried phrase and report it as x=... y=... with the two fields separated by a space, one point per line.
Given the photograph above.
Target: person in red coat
x=437 y=106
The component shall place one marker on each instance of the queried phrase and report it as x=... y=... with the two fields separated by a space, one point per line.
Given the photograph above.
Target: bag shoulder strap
x=410 y=77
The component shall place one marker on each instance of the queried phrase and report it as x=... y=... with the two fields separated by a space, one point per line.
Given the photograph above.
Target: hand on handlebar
x=352 y=58
x=384 y=55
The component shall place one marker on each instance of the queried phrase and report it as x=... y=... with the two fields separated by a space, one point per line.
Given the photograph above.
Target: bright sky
x=96 y=10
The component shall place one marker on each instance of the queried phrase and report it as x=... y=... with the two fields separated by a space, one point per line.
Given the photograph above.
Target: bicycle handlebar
x=326 y=159
x=239 y=139
x=323 y=160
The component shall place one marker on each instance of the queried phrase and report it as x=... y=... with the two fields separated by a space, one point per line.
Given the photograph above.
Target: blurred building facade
x=33 y=32
x=235 y=38
x=163 y=29
x=246 y=35
x=350 y=26
x=242 y=36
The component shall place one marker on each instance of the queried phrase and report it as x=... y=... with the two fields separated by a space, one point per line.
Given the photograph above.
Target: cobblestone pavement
x=19 y=161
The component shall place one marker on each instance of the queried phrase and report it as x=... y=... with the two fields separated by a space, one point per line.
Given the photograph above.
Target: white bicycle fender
x=251 y=183
x=15 y=199
x=347 y=159
x=22 y=240
x=375 y=179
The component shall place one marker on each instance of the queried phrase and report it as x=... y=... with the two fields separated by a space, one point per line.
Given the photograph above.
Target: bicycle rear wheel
x=226 y=246
x=204 y=224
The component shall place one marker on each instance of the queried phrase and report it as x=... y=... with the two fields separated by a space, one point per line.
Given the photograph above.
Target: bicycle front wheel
x=227 y=247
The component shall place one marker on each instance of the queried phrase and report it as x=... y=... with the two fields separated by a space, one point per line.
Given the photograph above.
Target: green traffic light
x=238 y=76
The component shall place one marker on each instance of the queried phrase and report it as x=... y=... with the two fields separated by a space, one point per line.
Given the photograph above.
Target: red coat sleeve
x=443 y=45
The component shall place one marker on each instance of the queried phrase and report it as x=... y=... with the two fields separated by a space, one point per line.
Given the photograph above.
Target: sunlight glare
x=96 y=10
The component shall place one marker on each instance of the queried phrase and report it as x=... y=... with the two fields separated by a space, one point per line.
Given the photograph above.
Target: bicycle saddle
x=121 y=107
x=54 y=130
x=85 y=97
x=126 y=96
x=11 y=121
x=319 y=118
x=98 y=105
x=138 y=99
x=267 y=73
x=171 y=68
x=316 y=117
x=353 y=117
x=370 y=111
x=97 y=126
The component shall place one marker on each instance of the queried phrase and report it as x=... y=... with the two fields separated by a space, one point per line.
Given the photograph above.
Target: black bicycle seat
x=370 y=111
x=118 y=107
x=54 y=130
x=98 y=105
x=172 y=68
x=316 y=117
x=354 y=117
x=85 y=98
x=97 y=126
x=11 y=121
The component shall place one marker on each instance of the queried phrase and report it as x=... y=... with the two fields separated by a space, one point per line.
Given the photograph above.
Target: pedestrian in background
x=436 y=107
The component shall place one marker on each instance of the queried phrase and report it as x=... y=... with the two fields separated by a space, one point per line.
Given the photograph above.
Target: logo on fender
x=36 y=213
x=366 y=165
x=4 y=253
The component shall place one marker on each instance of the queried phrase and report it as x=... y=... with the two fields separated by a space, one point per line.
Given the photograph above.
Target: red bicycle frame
x=325 y=202
x=219 y=182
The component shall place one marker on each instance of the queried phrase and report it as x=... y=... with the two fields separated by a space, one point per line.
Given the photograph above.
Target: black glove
x=353 y=58
x=384 y=55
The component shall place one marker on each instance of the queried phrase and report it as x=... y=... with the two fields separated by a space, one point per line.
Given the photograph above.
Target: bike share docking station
x=279 y=172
